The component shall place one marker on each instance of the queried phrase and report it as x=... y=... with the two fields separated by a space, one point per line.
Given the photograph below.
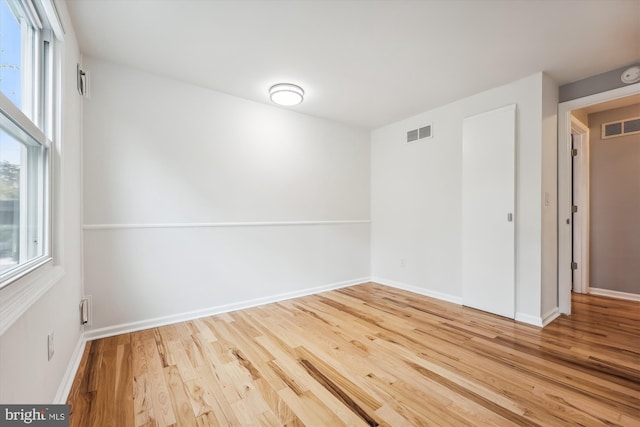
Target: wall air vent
x=621 y=128
x=631 y=126
x=425 y=132
x=421 y=133
x=412 y=135
x=610 y=130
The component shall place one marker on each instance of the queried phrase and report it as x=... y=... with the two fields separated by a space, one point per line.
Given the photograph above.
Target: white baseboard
x=520 y=317
x=614 y=294
x=531 y=320
x=211 y=311
x=67 y=380
x=539 y=321
x=417 y=290
x=550 y=316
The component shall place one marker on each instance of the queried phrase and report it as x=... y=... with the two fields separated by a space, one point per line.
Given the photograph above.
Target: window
x=26 y=128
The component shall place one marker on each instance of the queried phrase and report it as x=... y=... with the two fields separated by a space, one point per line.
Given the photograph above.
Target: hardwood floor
x=368 y=355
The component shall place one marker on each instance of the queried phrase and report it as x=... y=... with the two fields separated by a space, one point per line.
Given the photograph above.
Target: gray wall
x=615 y=205
x=592 y=85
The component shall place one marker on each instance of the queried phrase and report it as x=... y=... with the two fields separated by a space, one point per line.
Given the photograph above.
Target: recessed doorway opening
x=574 y=188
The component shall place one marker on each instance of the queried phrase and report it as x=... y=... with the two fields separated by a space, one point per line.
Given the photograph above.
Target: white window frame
x=16 y=123
x=20 y=287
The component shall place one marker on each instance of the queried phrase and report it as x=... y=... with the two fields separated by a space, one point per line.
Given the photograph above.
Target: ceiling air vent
x=621 y=128
x=421 y=133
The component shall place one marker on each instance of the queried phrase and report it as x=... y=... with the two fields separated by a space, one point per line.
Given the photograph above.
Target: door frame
x=581 y=201
x=564 y=185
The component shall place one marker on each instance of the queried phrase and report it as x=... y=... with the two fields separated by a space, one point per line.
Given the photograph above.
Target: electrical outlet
x=403 y=262
x=50 y=347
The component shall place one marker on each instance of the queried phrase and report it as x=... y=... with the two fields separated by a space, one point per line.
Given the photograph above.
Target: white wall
x=416 y=196
x=158 y=152
x=25 y=374
x=549 y=284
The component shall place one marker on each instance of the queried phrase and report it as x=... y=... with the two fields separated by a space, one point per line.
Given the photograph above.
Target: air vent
x=421 y=133
x=611 y=130
x=632 y=126
x=424 y=132
x=412 y=135
x=621 y=128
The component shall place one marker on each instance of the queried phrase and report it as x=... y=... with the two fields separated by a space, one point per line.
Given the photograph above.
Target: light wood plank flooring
x=368 y=355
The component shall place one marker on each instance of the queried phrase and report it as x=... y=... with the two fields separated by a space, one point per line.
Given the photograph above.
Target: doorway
x=571 y=225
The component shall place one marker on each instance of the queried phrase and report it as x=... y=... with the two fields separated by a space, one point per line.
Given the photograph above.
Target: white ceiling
x=365 y=63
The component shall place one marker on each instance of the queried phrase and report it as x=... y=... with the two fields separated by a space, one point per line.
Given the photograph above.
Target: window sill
x=17 y=298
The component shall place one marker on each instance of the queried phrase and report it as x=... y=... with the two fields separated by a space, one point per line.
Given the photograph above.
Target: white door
x=488 y=215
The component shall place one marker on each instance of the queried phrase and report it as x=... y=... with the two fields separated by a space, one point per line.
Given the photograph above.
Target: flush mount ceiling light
x=286 y=94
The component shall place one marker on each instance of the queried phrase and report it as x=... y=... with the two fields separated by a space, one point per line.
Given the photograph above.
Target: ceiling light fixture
x=286 y=94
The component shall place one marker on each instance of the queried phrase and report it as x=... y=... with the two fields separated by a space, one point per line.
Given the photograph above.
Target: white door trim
x=564 y=184
x=581 y=201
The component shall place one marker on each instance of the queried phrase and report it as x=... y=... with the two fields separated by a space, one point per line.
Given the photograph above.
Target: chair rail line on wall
x=221 y=224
